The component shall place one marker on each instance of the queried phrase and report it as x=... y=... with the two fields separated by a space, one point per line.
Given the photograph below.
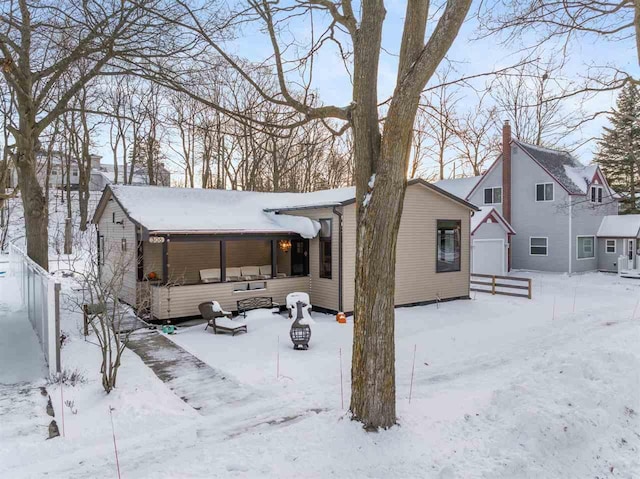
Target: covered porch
x=180 y=271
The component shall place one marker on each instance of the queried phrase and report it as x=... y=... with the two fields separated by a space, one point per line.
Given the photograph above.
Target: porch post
x=274 y=259
x=165 y=260
x=223 y=261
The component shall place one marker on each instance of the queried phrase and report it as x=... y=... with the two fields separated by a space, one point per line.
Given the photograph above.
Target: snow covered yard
x=503 y=388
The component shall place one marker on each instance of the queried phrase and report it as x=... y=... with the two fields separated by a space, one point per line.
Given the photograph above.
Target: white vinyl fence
x=41 y=298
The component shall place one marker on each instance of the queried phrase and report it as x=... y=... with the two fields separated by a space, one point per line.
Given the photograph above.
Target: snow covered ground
x=503 y=388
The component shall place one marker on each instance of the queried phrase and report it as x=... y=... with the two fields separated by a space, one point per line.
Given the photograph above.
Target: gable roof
x=622 y=226
x=186 y=210
x=572 y=175
x=460 y=187
x=489 y=213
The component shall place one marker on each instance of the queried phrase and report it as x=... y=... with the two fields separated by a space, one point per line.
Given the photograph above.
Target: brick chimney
x=506 y=171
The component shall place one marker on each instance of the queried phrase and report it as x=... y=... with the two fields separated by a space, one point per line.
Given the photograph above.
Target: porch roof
x=206 y=211
x=622 y=226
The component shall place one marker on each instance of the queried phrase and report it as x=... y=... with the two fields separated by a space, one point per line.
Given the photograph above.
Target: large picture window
x=448 y=250
x=325 y=248
x=538 y=246
x=544 y=192
x=585 y=247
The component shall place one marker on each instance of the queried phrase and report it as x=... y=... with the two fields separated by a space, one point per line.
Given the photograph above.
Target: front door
x=631 y=253
x=299 y=257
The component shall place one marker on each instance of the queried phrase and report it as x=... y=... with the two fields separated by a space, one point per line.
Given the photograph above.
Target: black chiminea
x=300 y=333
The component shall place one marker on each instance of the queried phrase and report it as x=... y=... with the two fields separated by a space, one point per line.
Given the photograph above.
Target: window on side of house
x=596 y=194
x=544 y=192
x=101 y=250
x=538 y=246
x=74 y=172
x=493 y=196
x=448 y=250
x=611 y=246
x=585 y=247
x=325 y=248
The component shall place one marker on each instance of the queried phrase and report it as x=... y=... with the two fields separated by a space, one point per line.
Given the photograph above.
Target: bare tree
x=479 y=140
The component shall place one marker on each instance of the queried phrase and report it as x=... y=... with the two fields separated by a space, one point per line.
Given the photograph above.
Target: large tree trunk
x=36 y=217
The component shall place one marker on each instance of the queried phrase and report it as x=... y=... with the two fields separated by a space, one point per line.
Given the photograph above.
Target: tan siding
x=118 y=261
x=323 y=292
x=182 y=301
x=416 y=277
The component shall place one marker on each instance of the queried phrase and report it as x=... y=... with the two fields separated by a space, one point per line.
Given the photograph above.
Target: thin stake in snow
x=62 y=407
x=633 y=316
x=115 y=447
x=575 y=292
x=278 y=360
x=553 y=312
x=341 y=391
x=413 y=368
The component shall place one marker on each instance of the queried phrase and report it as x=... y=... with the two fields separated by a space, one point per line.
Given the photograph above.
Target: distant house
x=553 y=204
x=105 y=175
x=180 y=247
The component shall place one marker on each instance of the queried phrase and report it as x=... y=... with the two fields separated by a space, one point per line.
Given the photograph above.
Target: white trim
x=504 y=249
x=539 y=237
x=492 y=188
x=593 y=247
x=598 y=195
x=535 y=192
x=606 y=246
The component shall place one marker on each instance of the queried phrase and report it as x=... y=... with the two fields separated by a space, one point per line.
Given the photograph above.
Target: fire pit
x=300 y=331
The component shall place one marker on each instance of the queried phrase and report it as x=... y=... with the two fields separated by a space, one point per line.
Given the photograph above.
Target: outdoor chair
x=219 y=319
x=234 y=274
x=211 y=275
x=250 y=272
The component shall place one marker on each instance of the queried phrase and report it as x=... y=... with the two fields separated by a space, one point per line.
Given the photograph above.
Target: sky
x=468 y=55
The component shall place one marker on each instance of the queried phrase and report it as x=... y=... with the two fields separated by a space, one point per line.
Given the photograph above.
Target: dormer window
x=493 y=196
x=596 y=194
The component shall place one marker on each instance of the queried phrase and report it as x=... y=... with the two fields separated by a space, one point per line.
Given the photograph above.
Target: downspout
x=338 y=213
x=570 y=232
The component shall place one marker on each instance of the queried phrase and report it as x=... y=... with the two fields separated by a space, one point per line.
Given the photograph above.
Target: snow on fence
x=506 y=285
x=41 y=297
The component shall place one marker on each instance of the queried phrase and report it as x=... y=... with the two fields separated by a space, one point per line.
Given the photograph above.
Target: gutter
x=339 y=214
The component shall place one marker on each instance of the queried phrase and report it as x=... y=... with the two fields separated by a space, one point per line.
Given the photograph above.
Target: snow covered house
x=176 y=248
x=554 y=203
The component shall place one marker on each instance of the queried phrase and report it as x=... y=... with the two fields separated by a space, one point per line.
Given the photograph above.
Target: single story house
x=173 y=248
x=619 y=245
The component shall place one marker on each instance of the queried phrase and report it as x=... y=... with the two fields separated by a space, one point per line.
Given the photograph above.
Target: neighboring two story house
x=553 y=204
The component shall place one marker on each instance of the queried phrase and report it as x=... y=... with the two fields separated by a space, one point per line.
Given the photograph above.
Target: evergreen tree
x=619 y=148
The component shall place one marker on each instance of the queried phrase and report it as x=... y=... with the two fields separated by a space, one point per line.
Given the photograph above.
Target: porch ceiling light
x=285 y=245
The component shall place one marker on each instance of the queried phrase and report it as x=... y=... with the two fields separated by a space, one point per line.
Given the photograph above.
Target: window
x=448 y=250
x=101 y=250
x=596 y=194
x=585 y=247
x=74 y=172
x=325 y=248
x=611 y=246
x=544 y=192
x=493 y=196
x=54 y=172
x=538 y=246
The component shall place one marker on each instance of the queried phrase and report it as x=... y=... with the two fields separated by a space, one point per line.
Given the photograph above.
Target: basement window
x=493 y=196
x=448 y=249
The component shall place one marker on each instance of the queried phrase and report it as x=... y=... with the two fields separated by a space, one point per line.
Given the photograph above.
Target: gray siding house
x=554 y=204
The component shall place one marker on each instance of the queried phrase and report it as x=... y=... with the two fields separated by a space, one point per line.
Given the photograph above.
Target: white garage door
x=488 y=257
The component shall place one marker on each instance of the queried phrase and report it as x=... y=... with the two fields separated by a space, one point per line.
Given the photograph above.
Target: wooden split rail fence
x=505 y=285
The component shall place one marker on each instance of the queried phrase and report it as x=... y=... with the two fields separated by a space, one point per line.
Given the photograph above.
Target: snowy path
x=202 y=387
x=21 y=358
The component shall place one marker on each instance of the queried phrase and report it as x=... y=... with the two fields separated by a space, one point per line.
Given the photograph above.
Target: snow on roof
x=460 y=187
x=480 y=216
x=619 y=226
x=566 y=169
x=160 y=209
x=581 y=176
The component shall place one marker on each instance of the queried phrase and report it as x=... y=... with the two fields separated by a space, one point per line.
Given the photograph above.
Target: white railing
x=41 y=298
